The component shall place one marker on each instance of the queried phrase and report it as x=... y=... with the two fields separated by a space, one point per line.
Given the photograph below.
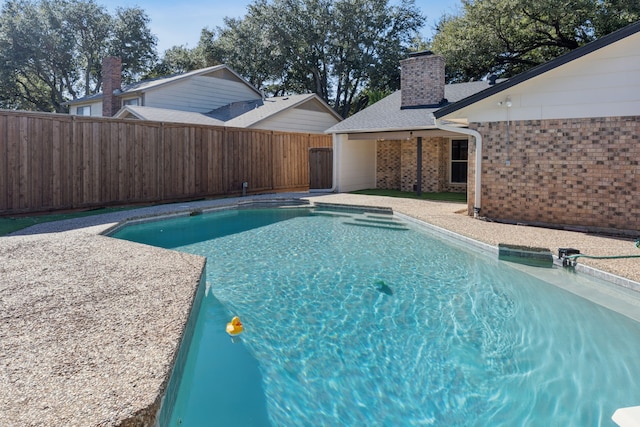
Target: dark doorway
x=320 y=168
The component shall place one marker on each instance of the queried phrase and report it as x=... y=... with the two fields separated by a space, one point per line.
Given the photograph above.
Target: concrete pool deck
x=91 y=325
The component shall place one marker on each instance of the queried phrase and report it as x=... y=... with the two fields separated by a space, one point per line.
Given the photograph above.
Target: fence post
x=160 y=161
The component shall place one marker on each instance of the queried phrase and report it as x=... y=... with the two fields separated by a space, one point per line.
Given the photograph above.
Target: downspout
x=419 y=169
x=478 y=175
x=334 y=178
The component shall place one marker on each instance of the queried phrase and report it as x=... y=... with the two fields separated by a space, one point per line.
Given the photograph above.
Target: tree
x=177 y=60
x=245 y=45
x=334 y=48
x=133 y=42
x=51 y=50
x=36 y=58
x=507 y=37
x=91 y=26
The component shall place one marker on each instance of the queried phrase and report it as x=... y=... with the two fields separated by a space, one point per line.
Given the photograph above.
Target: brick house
x=556 y=145
x=395 y=144
x=559 y=144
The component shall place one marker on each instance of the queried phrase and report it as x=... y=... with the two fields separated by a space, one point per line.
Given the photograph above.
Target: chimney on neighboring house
x=422 y=80
x=111 y=81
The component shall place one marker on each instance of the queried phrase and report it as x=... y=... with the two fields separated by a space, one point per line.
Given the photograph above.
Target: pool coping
x=612 y=295
x=580 y=268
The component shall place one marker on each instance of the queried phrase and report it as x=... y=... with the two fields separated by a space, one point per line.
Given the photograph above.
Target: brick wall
x=577 y=172
x=388 y=169
x=111 y=80
x=422 y=80
x=397 y=165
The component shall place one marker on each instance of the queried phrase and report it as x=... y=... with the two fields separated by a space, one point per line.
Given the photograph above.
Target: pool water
x=361 y=319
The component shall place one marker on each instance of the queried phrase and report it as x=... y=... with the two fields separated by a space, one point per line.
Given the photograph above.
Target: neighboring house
x=211 y=96
x=294 y=113
x=556 y=145
x=392 y=142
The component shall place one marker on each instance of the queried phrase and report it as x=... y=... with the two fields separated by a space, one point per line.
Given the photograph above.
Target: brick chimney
x=111 y=81
x=422 y=80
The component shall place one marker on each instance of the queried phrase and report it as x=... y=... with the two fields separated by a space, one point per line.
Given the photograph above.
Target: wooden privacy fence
x=56 y=161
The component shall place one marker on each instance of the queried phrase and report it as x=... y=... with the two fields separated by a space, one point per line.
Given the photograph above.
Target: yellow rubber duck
x=234 y=327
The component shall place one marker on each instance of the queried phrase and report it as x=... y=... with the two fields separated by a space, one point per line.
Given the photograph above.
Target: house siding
x=575 y=172
x=604 y=83
x=299 y=120
x=96 y=108
x=199 y=94
x=397 y=165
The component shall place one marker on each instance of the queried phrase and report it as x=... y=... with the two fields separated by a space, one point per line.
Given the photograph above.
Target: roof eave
x=92 y=99
x=270 y=116
x=317 y=98
x=129 y=110
x=302 y=101
x=168 y=81
x=378 y=130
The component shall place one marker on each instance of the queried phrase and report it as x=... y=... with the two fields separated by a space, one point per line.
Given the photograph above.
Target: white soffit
x=404 y=135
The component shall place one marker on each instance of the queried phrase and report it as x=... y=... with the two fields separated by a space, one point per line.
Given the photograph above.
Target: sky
x=177 y=23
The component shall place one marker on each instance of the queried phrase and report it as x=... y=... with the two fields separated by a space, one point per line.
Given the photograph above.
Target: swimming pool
x=363 y=319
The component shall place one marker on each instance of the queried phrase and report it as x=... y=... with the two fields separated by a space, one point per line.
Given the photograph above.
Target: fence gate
x=320 y=168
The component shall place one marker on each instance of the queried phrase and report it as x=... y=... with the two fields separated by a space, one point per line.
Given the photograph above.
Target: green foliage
x=51 y=50
x=178 y=60
x=92 y=26
x=369 y=97
x=507 y=37
x=133 y=42
x=334 y=48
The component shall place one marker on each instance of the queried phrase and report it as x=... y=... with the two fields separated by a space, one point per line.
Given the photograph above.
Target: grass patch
x=444 y=197
x=15 y=223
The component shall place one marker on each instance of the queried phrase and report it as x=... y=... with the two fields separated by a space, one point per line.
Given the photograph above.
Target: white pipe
x=334 y=178
x=478 y=184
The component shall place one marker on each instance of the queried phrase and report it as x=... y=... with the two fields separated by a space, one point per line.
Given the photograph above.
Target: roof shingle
x=386 y=114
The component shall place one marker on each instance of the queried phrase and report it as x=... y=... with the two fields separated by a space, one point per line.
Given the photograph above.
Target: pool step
x=320 y=206
x=384 y=227
x=386 y=224
x=361 y=216
x=331 y=214
x=382 y=217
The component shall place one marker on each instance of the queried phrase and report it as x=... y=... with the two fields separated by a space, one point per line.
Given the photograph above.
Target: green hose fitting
x=569 y=255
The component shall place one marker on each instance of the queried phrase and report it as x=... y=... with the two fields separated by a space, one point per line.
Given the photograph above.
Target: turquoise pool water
x=360 y=319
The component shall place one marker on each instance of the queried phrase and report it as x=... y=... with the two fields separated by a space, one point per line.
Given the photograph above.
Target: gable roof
x=222 y=69
x=540 y=69
x=134 y=88
x=239 y=114
x=272 y=106
x=386 y=114
x=167 y=115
